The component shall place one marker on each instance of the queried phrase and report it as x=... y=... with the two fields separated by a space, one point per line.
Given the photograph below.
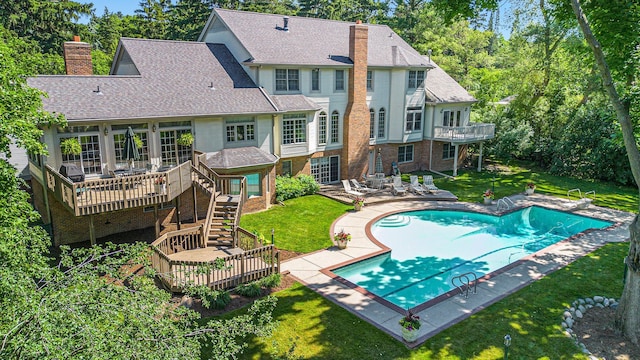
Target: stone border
x=577 y=310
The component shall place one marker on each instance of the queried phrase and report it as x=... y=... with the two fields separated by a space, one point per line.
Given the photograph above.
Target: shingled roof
x=311 y=41
x=177 y=78
x=442 y=88
x=239 y=157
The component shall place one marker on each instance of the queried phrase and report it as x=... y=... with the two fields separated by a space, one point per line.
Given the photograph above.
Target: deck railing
x=236 y=269
x=94 y=196
x=475 y=132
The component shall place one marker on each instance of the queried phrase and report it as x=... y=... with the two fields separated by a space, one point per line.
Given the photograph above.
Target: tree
x=618 y=62
x=627 y=314
x=91 y=304
x=50 y=23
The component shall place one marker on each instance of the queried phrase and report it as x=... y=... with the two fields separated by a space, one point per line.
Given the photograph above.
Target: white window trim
x=319 y=89
x=413 y=111
x=288 y=90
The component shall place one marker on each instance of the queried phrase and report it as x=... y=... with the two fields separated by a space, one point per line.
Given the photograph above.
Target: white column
x=480 y=159
x=455 y=161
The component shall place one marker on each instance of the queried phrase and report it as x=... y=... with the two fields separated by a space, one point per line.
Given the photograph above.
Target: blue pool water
x=430 y=247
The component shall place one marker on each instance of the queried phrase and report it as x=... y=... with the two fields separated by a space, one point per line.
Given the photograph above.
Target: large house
x=262 y=95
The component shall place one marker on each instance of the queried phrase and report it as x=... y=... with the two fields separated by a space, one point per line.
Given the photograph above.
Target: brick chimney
x=355 y=149
x=77 y=57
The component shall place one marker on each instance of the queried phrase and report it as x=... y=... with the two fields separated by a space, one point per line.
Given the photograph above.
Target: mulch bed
x=596 y=331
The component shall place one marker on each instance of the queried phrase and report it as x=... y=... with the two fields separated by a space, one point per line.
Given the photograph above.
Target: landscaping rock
x=186 y=301
x=598 y=299
x=579 y=314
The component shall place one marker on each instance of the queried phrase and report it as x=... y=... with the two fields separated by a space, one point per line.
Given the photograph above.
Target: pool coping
x=313 y=269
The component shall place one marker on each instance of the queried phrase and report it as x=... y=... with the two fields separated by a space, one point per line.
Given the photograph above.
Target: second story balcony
x=465 y=134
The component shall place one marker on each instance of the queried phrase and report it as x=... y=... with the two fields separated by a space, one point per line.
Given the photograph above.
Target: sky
x=127 y=7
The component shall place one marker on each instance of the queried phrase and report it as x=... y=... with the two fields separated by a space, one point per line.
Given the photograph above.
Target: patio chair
x=427 y=182
x=348 y=190
x=361 y=187
x=398 y=188
x=416 y=187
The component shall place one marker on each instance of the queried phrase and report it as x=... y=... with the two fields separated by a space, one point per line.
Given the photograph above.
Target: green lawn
x=302 y=225
x=322 y=330
x=508 y=180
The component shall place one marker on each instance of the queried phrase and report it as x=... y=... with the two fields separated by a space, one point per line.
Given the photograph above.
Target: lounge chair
x=582 y=202
x=416 y=187
x=398 y=188
x=361 y=187
x=348 y=190
x=427 y=182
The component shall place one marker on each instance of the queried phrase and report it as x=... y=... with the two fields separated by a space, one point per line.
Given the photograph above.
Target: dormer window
x=287 y=80
x=416 y=78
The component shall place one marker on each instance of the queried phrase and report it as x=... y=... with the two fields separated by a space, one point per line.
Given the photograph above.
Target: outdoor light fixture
x=153 y=128
x=273 y=242
x=106 y=131
x=507 y=344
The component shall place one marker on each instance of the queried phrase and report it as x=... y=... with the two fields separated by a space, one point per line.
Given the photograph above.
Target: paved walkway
x=307 y=268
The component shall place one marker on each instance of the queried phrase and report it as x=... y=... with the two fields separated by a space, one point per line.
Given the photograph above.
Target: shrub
x=291 y=188
x=252 y=289
x=216 y=299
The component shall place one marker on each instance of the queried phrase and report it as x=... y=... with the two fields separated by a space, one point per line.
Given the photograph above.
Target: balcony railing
x=464 y=134
x=95 y=196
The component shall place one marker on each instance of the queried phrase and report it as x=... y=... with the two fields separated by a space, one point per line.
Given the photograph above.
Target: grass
x=469 y=186
x=302 y=225
x=320 y=329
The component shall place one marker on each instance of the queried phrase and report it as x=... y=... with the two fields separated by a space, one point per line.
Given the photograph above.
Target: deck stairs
x=222 y=219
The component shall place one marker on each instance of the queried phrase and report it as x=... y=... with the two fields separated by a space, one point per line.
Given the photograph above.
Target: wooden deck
x=204 y=254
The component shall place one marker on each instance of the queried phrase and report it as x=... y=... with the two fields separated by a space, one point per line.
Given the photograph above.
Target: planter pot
x=357 y=207
x=410 y=335
x=529 y=191
x=487 y=200
x=342 y=244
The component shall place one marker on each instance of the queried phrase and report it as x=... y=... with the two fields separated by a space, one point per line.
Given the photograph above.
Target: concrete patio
x=308 y=268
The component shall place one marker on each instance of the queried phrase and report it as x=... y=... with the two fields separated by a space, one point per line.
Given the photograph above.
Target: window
x=315 y=80
x=405 y=153
x=448 y=151
x=294 y=129
x=372 y=124
x=286 y=168
x=240 y=131
x=287 y=80
x=414 y=119
x=416 y=78
x=452 y=118
x=118 y=141
x=322 y=128
x=89 y=159
x=381 y=122
x=335 y=121
x=369 y=80
x=339 y=80
x=254 y=187
x=325 y=170
x=171 y=152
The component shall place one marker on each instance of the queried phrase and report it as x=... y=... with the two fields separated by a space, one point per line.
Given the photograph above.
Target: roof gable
x=309 y=41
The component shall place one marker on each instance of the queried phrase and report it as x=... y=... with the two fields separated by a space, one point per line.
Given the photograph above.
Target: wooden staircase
x=223 y=222
x=224 y=210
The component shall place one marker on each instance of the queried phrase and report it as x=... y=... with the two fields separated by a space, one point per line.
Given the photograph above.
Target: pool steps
x=506 y=203
x=463 y=283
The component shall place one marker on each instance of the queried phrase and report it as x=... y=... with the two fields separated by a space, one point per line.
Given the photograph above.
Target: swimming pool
x=430 y=247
